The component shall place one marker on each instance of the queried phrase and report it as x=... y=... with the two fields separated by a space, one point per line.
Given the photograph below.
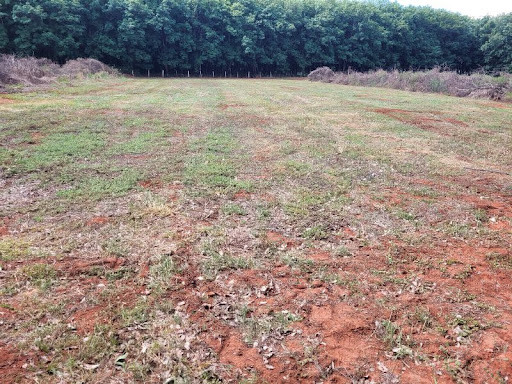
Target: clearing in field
x=254 y=231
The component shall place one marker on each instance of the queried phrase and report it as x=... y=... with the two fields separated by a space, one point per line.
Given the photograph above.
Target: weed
x=263 y=211
x=136 y=315
x=95 y=188
x=463 y=327
x=101 y=343
x=425 y=192
x=296 y=168
x=41 y=275
x=307 y=202
x=317 y=232
x=162 y=272
x=287 y=148
x=13 y=249
x=295 y=260
x=233 y=209
x=481 y=216
x=392 y=336
x=155 y=205
x=405 y=215
x=267 y=325
x=459 y=230
x=343 y=251
x=465 y=273
x=217 y=261
x=461 y=296
x=500 y=260
x=115 y=247
x=423 y=316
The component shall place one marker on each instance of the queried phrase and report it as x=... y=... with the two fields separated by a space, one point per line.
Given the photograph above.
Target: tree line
x=283 y=37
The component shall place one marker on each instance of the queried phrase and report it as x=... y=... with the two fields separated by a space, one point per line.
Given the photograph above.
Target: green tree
x=497 y=43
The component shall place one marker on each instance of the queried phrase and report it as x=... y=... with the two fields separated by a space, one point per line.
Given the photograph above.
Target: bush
x=437 y=80
x=86 y=67
x=324 y=74
x=30 y=72
x=26 y=71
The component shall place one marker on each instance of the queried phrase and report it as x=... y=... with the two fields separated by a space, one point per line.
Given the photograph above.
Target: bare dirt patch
x=12 y=364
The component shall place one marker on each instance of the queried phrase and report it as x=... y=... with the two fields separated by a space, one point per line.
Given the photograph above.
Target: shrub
x=321 y=74
x=30 y=72
x=437 y=80
x=26 y=71
x=86 y=67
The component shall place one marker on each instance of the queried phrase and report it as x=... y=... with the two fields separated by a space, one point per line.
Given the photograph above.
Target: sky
x=474 y=8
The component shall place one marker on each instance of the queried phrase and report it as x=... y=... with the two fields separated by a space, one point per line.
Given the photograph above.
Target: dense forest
x=283 y=37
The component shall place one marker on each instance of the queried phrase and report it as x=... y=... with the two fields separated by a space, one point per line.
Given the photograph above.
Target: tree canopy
x=286 y=37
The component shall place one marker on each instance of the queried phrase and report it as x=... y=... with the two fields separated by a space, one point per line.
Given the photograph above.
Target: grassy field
x=254 y=231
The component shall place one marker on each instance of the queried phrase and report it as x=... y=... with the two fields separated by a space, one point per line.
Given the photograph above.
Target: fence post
x=213 y=73
x=248 y=74
x=225 y=74
x=163 y=73
x=188 y=73
x=148 y=72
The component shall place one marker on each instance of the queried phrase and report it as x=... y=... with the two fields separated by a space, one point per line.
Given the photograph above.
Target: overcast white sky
x=475 y=8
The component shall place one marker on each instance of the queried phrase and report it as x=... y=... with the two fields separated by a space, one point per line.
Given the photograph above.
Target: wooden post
x=163 y=73
x=188 y=73
x=270 y=74
x=237 y=75
x=248 y=74
x=225 y=74
x=148 y=72
x=200 y=73
x=213 y=73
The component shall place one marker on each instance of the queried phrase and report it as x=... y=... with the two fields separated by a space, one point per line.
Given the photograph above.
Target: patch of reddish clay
x=318 y=255
x=86 y=319
x=150 y=183
x=277 y=238
x=4 y=230
x=11 y=364
x=97 y=221
x=242 y=195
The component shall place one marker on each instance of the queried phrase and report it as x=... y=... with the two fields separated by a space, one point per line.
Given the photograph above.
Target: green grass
x=14 y=249
x=213 y=167
x=40 y=275
x=59 y=149
x=216 y=261
x=97 y=187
